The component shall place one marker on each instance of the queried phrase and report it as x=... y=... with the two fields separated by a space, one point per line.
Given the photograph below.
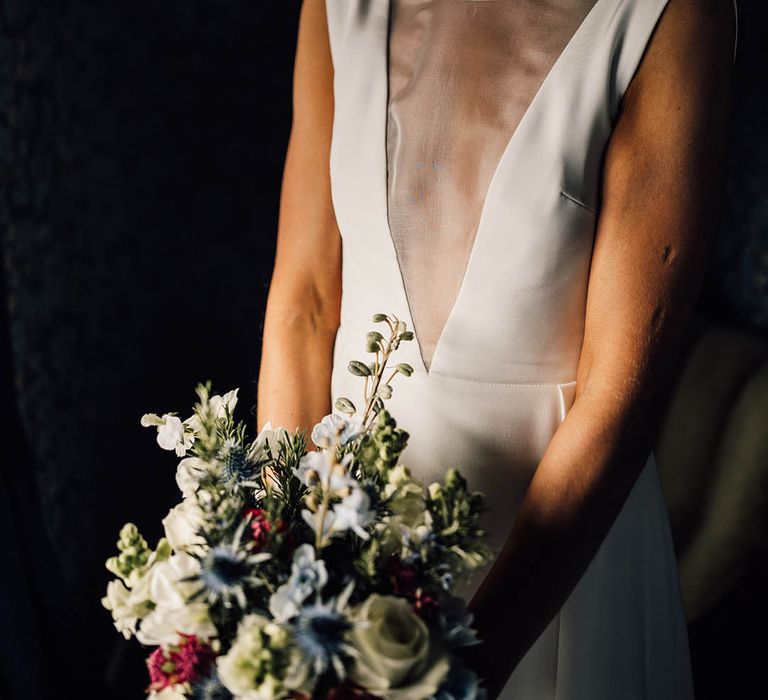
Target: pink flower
x=261 y=527
x=186 y=662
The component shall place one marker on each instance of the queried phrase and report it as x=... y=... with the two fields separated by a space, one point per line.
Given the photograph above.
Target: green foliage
x=380 y=448
x=454 y=511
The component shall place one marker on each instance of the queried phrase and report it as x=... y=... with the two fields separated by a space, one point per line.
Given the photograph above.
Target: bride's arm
x=302 y=313
x=662 y=181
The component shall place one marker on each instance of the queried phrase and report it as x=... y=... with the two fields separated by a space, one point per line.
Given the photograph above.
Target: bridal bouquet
x=294 y=573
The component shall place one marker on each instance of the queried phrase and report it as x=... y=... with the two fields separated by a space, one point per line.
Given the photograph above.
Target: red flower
x=188 y=661
x=261 y=527
x=405 y=584
x=403 y=578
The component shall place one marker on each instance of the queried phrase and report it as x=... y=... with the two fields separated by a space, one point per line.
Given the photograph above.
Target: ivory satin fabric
x=465 y=175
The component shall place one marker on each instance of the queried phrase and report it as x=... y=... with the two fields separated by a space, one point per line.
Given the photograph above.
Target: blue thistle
x=460 y=684
x=318 y=632
x=235 y=465
x=228 y=570
x=210 y=688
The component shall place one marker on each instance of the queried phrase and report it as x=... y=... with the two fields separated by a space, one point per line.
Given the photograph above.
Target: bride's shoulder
x=692 y=46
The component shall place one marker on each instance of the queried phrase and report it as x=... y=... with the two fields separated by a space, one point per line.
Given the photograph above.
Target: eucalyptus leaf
x=359 y=369
x=345 y=405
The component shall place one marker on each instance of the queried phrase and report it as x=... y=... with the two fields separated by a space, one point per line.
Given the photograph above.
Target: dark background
x=141 y=151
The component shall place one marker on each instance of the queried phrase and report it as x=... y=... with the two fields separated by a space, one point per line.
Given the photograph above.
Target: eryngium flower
x=227 y=571
x=235 y=465
x=318 y=632
x=210 y=688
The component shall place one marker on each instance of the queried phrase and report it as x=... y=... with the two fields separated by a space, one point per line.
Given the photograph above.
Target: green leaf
x=378 y=318
x=345 y=405
x=359 y=369
x=405 y=368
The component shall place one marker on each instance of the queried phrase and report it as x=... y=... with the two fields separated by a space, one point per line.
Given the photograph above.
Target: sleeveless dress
x=465 y=164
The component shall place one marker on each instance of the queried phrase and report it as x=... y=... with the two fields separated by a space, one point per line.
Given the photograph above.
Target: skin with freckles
x=662 y=184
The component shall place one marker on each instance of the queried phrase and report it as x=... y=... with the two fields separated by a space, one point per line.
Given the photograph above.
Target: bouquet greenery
x=294 y=573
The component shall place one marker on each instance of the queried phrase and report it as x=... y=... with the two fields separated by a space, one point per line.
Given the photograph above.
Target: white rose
x=182 y=523
x=396 y=657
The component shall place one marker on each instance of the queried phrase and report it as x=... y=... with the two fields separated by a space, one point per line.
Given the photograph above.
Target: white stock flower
x=172 y=434
x=165 y=587
x=334 y=428
x=124 y=613
x=395 y=659
x=182 y=524
x=189 y=472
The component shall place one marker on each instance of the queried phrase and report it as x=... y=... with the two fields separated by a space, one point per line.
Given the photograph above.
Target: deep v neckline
x=500 y=166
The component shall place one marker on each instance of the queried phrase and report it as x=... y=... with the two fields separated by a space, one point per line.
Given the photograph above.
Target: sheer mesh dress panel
x=462 y=74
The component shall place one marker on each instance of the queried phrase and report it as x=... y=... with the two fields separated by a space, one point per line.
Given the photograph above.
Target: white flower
x=124 y=614
x=172 y=434
x=308 y=576
x=333 y=429
x=165 y=587
x=395 y=659
x=221 y=405
x=189 y=473
x=316 y=467
x=267 y=439
x=163 y=625
x=354 y=512
x=182 y=524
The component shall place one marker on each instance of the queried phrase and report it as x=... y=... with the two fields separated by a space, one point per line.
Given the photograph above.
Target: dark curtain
x=141 y=151
x=142 y=146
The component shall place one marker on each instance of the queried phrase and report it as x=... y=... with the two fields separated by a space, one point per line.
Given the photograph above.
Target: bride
x=532 y=186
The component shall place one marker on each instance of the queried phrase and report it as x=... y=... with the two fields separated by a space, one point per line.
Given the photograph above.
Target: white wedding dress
x=466 y=169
